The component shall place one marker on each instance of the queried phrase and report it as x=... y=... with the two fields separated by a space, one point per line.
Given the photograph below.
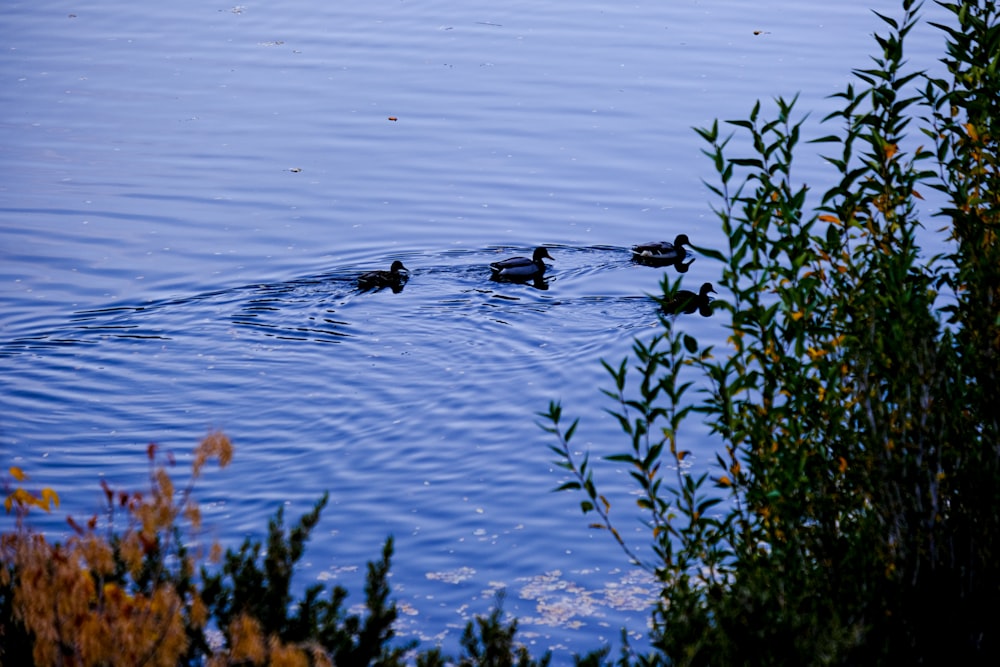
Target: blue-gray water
x=189 y=190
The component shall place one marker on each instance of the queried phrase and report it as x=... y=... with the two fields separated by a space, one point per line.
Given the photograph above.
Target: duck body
x=686 y=301
x=659 y=253
x=521 y=268
x=394 y=278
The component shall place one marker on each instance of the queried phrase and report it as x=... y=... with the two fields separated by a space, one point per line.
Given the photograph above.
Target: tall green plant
x=855 y=402
x=258 y=585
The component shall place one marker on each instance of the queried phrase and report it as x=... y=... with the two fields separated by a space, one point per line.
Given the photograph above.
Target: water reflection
x=539 y=282
x=459 y=350
x=320 y=308
x=679 y=264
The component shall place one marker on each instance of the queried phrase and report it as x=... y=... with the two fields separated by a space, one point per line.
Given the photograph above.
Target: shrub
x=852 y=517
x=135 y=588
x=119 y=590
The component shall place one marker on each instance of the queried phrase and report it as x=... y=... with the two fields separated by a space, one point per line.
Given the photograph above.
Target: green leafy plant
x=257 y=584
x=851 y=517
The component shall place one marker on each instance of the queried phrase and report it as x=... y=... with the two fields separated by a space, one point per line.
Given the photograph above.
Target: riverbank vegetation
x=139 y=585
x=850 y=515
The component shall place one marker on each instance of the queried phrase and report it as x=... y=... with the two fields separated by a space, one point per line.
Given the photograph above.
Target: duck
x=394 y=278
x=686 y=301
x=521 y=268
x=661 y=252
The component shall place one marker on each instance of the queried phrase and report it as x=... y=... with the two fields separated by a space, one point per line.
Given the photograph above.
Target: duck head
x=539 y=253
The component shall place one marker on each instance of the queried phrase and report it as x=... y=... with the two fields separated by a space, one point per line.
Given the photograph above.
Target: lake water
x=189 y=191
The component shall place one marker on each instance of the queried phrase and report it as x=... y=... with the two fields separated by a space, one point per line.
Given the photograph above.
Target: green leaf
x=571 y=430
x=887 y=19
x=747 y=162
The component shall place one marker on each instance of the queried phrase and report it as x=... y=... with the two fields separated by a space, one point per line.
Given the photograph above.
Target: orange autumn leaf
x=49 y=498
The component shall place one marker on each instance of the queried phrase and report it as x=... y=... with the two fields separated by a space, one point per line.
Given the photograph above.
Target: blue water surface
x=189 y=191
